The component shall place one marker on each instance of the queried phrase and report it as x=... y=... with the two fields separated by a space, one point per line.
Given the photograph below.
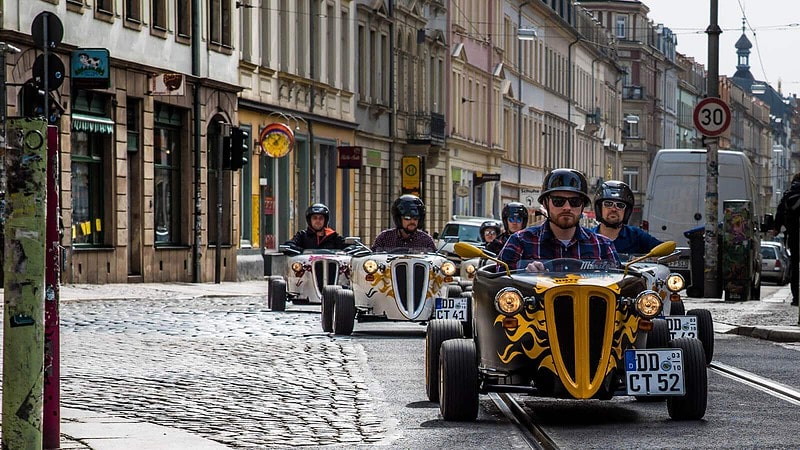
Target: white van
x=676 y=195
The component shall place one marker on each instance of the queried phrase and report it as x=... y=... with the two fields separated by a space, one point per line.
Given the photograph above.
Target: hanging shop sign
x=90 y=68
x=167 y=84
x=276 y=140
x=349 y=157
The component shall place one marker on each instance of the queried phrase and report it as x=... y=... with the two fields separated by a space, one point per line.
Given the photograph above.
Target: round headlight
x=648 y=303
x=508 y=301
x=470 y=269
x=370 y=266
x=297 y=266
x=448 y=268
x=675 y=282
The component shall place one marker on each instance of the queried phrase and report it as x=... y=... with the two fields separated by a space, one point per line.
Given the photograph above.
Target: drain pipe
x=198 y=206
x=392 y=107
x=568 y=156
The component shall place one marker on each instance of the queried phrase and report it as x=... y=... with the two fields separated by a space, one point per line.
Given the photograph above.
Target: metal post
x=224 y=131
x=711 y=278
x=51 y=422
x=197 y=31
x=519 y=105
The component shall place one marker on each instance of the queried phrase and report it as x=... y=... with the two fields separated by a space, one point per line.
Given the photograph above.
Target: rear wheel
x=326 y=309
x=705 y=331
x=458 y=382
x=277 y=294
x=439 y=330
x=344 y=312
x=454 y=291
x=658 y=337
x=692 y=405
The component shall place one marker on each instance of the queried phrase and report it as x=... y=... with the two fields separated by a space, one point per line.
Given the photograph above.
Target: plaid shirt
x=539 y=242
x=391 y=239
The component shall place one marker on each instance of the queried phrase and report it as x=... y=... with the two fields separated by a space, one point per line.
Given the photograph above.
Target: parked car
x=580 y=330
x=775 y=262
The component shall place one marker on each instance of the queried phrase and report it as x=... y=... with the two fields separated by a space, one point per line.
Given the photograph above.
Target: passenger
x=318 y=235
x=564 y=195
x=408 y=213
x=613 y=206
x=788 y=216
x=489 y=231
x=515 y=218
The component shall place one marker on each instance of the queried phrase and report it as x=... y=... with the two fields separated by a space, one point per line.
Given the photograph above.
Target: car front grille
x=410 y=281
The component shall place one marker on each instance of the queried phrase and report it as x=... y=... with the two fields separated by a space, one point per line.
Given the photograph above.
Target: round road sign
x=712 y=116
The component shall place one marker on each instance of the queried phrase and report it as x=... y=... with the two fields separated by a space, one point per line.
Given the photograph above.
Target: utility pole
x=711 y=277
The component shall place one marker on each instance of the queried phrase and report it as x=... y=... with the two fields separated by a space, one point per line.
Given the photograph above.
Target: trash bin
x=737 y=252
x=697 y=263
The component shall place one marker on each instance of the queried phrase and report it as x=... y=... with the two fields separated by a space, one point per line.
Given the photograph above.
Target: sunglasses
x=612 y=204
x=489 y=232
x=411 y=217
x=574 y=202
x=515 y=219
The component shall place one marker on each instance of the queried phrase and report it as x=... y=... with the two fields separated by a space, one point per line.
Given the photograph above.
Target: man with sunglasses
x=515 y=218
x=613 y=206
x=564 y=195
x=408 y=213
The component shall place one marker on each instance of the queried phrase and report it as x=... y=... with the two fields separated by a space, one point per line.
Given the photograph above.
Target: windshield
x=565 y=266
x=462 y=232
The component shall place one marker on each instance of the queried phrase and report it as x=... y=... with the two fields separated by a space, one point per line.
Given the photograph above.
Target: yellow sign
x=277 y=140
x=411 y=174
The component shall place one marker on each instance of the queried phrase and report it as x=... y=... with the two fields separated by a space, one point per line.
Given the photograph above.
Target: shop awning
x=92 y=124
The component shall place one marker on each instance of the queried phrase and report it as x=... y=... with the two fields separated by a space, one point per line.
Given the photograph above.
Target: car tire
x=454 y=291
x=458 y=381
x=344 y=312
x=439 y=330
x=755 y=290
x=326 y=308
x=692 y=405
x=658 y=337
x=277 y=295
x=705 y=331
x=677 y=308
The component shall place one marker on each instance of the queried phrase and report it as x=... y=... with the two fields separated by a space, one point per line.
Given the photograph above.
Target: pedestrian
x=613 y=206
x=564 y=195
x=408 y=213
x=515 y=218
x=788 y=217
x=318 y=235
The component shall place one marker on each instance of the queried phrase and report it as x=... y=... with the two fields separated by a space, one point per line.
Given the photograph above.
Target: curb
x=775 y=334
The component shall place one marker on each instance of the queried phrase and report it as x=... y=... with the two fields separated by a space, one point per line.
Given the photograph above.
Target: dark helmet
x=613 y=190
x=567 y=180
x=515 y=209
x=318 y=208
x=490 y=224
x=408 y=205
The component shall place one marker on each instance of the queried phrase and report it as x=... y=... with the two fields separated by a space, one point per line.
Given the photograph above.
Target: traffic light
x=33 y=103
x=239 y=150
x=226 y=151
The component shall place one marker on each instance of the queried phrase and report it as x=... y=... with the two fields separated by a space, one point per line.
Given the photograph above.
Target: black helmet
x=408 y=205
x=490 y=224
x=515 y=209
x=318 y=208
x=613 y=190
x=567 y=180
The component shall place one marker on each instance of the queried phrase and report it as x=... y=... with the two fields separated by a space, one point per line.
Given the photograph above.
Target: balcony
x=632 y=93
x=425 y=129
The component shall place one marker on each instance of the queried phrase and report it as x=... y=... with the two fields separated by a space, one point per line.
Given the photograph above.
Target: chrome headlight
x=648 y=304
x=370 y=266
x=470 y=269
x=508 y=301
x=675 y=282
x=449 y=269
x=297 y=266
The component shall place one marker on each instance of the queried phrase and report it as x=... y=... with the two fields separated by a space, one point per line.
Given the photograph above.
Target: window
x=183 y=18
x=167 y=175
x=159 y=13
x=106 y=6
x=631 y=130
x=630 y=175
x=219 y=13
x=133 y=11
x=621 y=27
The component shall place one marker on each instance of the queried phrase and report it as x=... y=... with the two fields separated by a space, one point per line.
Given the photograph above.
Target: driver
x=318 y=235
x=564 y=195
x=515 y=218
x=613 y=206
x=408 y=213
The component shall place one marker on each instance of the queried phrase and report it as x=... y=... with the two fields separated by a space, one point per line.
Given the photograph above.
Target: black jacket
x=786 y=216
x=307 y=239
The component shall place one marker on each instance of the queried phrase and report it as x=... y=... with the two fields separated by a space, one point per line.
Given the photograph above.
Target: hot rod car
x=395 y=286
x=578 y=330
x=304 y=274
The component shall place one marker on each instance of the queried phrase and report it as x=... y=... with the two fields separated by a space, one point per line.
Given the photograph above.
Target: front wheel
x=326 y=309
x=439 y=331
x=692 y=405
x=277 y=294
x=458 y=380
x=344 y=312
x=705 y=331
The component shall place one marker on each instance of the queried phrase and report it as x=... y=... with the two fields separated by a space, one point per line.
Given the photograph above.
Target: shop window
x=167 y=175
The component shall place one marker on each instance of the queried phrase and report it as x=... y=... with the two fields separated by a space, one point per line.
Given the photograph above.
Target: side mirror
x=469 y=251
x=768 y=223
x=662 y=249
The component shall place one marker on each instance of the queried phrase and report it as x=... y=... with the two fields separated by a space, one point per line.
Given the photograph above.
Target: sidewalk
x=771 y=318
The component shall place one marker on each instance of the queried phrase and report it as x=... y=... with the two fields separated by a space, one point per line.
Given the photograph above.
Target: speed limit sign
x=712 y=116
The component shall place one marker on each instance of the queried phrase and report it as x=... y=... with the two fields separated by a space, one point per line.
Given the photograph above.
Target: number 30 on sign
x=712 y=116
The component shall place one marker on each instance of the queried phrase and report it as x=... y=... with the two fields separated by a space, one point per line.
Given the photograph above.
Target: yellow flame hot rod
x=577 y=330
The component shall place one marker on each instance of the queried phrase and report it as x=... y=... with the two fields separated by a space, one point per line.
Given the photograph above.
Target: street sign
x=711 y=116
x=480 y=177
x=529 y=197
x=55 y=30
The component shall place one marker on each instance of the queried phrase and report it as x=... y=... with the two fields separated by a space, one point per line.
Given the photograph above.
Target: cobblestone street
x=226 y=369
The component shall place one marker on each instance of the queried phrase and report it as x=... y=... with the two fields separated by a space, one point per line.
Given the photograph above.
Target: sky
x=776 y=44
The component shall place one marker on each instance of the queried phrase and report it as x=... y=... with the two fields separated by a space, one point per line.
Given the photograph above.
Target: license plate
x=654 y=372
x=682 y=326
x=451 y=308
x=679 y=264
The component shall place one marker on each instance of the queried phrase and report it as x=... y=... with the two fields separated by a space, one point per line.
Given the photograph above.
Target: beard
x=613 y=221
x=565 y=220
